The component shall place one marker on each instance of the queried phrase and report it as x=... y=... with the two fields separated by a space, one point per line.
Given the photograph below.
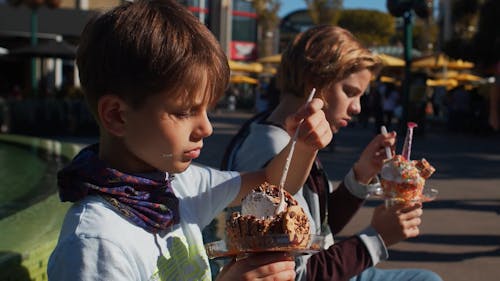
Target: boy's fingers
x=412 y=232
x=266 y=266
x=311 y=124
x=319 y=140
x=412 y=214
x=409 y=208
x=405 y=207
x=415 y=222
x=274 y=267
x=308 y=109
x=388 y=142
x=316 y=131
x=262 y=259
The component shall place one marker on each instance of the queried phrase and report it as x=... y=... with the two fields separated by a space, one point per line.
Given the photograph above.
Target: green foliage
x=324 y=11
x=267 y=13
x=475 y=35
x=370 y=26
x=268 y=21
x=464 y=15
x=424 y=32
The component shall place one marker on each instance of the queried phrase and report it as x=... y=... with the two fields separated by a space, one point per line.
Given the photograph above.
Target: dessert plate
x=377 y=191
x=265 y=244
x=428 y=194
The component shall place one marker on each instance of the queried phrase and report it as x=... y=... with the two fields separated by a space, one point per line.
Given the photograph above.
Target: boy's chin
x=179 y=168
x=334 y=129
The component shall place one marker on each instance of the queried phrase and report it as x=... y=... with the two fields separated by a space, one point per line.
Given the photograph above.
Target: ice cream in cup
x=403 y=179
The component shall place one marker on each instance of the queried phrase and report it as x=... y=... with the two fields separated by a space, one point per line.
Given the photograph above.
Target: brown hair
x=322 y=56
x=140 y=49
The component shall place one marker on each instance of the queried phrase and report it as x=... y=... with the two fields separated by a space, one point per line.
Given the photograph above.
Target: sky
x=288 y=6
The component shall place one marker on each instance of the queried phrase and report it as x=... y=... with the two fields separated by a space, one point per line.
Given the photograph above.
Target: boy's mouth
x=193 y=153
x=344 y=122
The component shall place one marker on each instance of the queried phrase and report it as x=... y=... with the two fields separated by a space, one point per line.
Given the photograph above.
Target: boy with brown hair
x=150 y=71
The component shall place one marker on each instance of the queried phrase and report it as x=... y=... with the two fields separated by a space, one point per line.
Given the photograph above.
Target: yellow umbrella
x=467 y=77
x=391 y=61
x=269 y=70
x=386 y=60
x=245 y=67
x=460 y=64
x=448 y=83
x=444 y=75
x=438 y=61
x=387 y=79
x=441 y=61
x=243 y=79
x=270 y=59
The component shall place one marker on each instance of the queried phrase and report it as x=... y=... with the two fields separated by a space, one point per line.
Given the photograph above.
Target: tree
x=267 y=21
x=369 y=26
x=425 y=34
x=465 y=15
x=324 y=11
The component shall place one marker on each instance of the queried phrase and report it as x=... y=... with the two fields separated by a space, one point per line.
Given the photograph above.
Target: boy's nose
x=355 y=107
x=204 y=128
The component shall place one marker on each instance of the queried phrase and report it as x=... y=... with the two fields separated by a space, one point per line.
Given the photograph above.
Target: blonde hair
x=322 y=56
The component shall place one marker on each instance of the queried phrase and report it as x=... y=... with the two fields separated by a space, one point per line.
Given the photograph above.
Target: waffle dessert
x=257 y=225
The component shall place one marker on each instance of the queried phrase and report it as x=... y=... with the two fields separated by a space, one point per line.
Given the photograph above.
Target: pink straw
x=408 y=139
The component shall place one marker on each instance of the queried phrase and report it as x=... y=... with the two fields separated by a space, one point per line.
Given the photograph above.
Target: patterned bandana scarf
x=150 y=204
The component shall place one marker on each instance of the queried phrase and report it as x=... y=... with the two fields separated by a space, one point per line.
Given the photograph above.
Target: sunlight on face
x=343 y=98
x=166 y=134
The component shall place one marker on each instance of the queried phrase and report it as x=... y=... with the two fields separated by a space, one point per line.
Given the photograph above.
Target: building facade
x=233 y=22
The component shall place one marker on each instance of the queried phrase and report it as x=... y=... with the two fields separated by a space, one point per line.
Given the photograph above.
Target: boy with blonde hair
x=330 y=59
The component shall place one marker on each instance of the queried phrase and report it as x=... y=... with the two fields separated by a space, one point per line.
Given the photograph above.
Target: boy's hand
x=397 y=223
x=275 y=266
x=315 y=130
x=372 y=158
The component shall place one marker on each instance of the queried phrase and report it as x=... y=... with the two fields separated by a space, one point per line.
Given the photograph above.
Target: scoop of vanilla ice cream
x=400 y=170
x=259 y=204
x=390 y=172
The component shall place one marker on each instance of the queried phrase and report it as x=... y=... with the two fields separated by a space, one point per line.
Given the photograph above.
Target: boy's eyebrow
x=353 y=88
x=195 y=104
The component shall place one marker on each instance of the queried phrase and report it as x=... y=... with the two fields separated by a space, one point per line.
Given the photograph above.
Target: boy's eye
x=350 y=92
x=183 y=114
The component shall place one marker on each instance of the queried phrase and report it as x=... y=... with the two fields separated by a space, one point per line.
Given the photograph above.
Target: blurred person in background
x=390 y=101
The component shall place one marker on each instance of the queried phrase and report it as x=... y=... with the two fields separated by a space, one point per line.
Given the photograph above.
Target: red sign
x=243 y=50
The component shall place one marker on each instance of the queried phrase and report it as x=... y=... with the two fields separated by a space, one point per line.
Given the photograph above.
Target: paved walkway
x=460 y=235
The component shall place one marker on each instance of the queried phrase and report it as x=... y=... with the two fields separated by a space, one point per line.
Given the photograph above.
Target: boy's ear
x=111 y=109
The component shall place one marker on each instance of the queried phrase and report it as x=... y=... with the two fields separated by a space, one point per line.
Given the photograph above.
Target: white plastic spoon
x=282 y=204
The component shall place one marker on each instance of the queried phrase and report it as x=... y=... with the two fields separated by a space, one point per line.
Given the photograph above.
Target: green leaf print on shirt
x=183 y=264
